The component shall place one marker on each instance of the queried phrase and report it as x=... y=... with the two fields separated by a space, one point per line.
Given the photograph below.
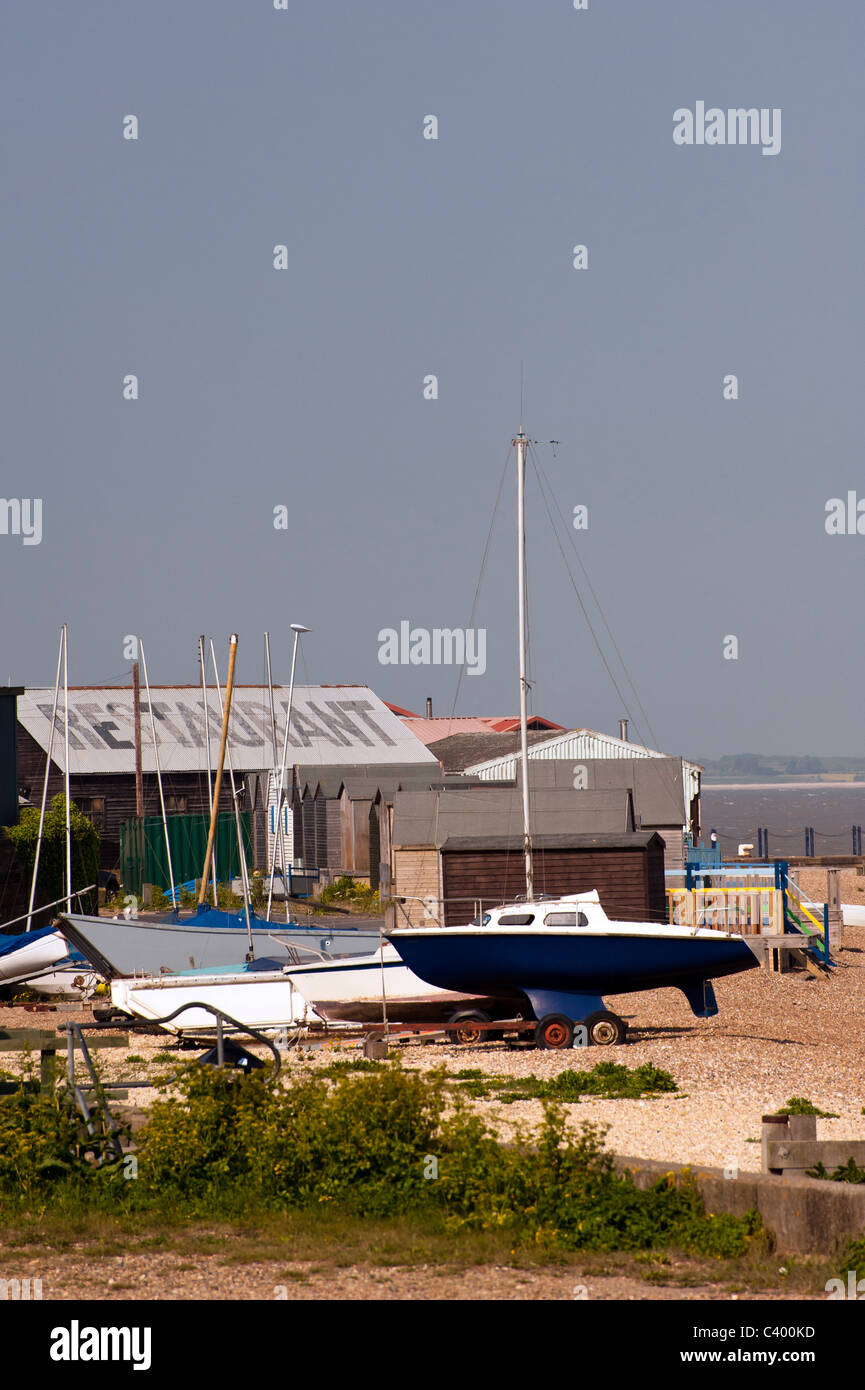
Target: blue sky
x=453 y=257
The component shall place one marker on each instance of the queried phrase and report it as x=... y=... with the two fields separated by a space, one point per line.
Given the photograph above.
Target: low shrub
x=801 y=1105
x=43 y=1141
x=379 y=1144
x=348 y=890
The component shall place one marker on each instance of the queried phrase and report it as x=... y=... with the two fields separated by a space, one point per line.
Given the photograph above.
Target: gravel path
x=158 y=1276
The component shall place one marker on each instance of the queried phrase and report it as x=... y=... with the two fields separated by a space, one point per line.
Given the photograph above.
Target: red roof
x=443 y=726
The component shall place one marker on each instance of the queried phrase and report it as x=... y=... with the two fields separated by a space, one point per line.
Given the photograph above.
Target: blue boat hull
x=570 y=974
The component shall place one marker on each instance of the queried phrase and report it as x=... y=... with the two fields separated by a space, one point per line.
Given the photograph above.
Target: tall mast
x=277 y=823
x=521 y=443
x=220 y=763
x=66 y=773
x=173 y=889
x=202 y=664
x=297 y=629
x=45 y=783
x=244 y=874
x=136 y=724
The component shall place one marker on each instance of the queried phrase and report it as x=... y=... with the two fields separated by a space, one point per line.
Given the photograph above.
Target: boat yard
x=777 y=1035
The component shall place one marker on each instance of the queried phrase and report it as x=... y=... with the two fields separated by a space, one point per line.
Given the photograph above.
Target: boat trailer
x=469 y=1028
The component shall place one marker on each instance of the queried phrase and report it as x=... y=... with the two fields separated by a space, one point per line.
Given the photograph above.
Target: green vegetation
x=354 y=894
x=51 y=884
x=43 y=1144
x=845 y=1172
x=351 y=1064
x=801 y=1105
x=853 y=1258
x=227 y=901
x=610 y=1080
x=378 y=1146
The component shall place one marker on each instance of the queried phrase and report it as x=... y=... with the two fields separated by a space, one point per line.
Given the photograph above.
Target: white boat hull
x=34 y=958
x=74 y=980
x=263 y=1000
x=351 y=991
x=337 y=991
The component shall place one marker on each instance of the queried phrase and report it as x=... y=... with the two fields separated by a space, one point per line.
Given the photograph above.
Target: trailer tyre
x=605 y=1029
x=464 y=1035
x=555 y=1032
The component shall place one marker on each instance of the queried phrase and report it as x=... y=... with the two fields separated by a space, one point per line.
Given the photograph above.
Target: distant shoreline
x=771 y=786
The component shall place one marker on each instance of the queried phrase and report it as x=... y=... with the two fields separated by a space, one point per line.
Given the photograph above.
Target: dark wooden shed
x=627 y=871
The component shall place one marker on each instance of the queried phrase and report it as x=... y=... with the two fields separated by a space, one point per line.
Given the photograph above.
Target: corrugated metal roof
x=659 y=797
x=330 y=725
x=635 y=840
x=459 y=751
x=431 y=817
x=580 y=745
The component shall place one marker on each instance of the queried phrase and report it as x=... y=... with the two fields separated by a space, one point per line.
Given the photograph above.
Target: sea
x=784 y=809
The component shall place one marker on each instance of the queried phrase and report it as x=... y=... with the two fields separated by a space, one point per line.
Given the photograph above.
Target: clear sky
x=410 y=257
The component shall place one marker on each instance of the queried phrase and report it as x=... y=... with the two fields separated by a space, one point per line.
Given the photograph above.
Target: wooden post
x=136 y=711
x=223 y=742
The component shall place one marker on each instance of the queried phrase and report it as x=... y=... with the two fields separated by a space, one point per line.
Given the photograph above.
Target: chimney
x=623 y=730
x=429 y=713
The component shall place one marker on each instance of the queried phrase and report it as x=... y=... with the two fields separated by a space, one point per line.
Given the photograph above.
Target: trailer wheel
x=555 y=1031
x=605 y=1029
x=464 y=1035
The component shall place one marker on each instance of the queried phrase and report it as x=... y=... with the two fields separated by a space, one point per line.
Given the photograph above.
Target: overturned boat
x=206 y=940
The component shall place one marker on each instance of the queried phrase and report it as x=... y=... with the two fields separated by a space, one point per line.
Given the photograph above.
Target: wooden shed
x=626 y=870
x=453 y=848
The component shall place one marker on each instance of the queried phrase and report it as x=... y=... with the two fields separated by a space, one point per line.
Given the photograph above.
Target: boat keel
x=700 y=994
x=553 y=1001
x=701 y=997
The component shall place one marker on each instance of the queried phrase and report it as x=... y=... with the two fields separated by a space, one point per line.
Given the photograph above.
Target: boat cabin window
x=566 y=919
x=482 y=921
x=517 y=919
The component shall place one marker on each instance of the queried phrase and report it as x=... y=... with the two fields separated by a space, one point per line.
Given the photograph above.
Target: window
x=93 y=807
x=517 y=919
x=566 y=919
x=174 y=802
x=482 y=921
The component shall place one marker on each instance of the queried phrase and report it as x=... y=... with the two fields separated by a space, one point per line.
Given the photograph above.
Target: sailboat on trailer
x=562 y=955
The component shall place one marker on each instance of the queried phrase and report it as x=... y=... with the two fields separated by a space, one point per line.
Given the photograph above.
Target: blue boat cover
x=8 y=944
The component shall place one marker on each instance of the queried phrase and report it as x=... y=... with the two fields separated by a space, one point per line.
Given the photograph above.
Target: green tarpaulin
x=142 y=849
